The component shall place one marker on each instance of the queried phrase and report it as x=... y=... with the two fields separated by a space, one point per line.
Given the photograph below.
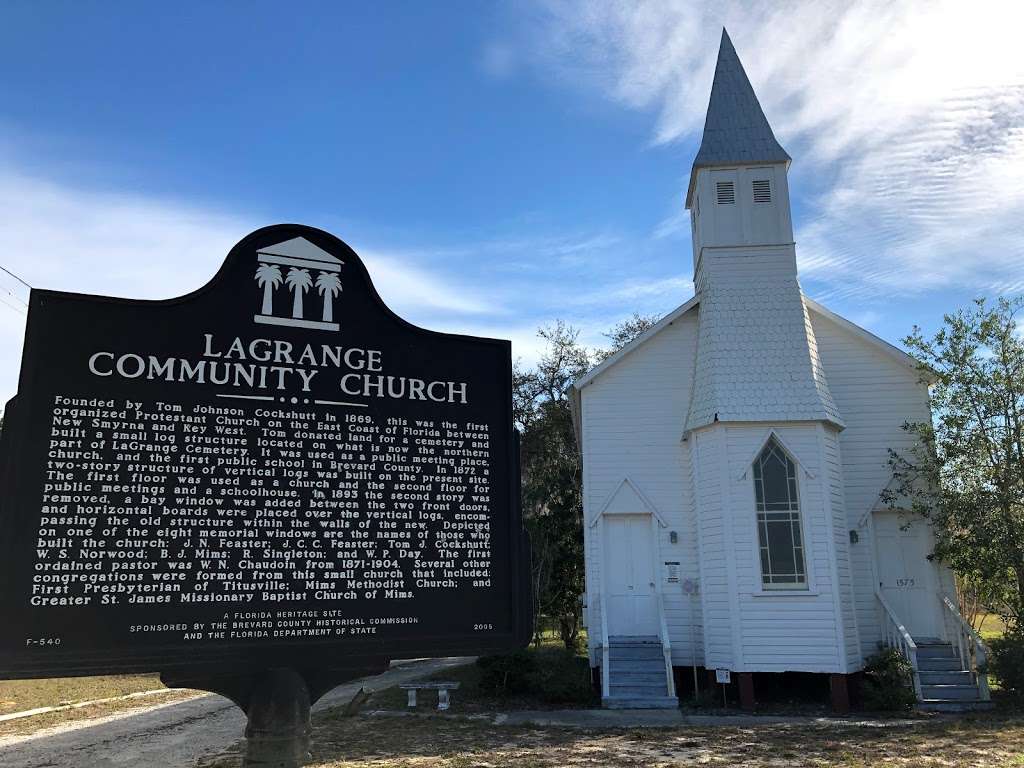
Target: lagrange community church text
x=278 y=365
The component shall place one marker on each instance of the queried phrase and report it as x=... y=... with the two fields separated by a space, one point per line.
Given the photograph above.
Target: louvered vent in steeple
x=725 y=193
x=762 y=191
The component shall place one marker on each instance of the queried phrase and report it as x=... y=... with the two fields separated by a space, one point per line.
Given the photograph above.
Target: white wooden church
x=733 y=457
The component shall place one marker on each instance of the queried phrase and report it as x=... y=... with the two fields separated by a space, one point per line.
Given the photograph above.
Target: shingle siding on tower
x=757 y=359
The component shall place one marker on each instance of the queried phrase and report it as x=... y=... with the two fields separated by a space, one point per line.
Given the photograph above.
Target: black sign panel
x=275 y=469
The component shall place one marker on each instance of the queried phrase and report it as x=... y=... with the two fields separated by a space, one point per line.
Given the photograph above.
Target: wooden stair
x=945 y=685
x=636 y=674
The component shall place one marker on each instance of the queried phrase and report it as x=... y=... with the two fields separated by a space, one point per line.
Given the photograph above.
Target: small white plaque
x=672 y=573
x=723 y=676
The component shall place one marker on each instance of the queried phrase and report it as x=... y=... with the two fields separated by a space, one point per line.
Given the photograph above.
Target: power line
x=8 y=304
x=14 y=296
x=23 y=282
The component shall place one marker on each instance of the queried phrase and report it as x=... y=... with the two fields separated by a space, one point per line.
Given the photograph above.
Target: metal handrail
x=606 y=686
x=666 y=644
x=971 y=649
x=896 y=636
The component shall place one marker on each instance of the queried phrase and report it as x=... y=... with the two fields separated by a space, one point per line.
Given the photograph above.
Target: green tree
x=551 y=466
x=624 y=332
x=966 y=474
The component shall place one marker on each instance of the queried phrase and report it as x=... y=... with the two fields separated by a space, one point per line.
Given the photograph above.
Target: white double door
x=906 y=576
x=629 y=575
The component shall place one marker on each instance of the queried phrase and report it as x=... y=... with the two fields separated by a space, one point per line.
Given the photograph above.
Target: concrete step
x=949 y=693
x=640 y=702
x=939 y=665
x=952 y=677
x=955 y=706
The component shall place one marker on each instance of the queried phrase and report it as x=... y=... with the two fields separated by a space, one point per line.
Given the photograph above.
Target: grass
x=434 y=741
x=19 y=695
x=991 y=627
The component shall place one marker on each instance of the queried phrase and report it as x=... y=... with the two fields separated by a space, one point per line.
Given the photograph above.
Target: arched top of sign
x=299 y=277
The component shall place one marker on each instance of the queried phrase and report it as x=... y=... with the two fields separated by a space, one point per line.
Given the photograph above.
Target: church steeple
x=736 y=132
x=757 y=358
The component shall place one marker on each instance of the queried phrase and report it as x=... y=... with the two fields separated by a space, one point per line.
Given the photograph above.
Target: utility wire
x=16 y=308
x=14 y=296
x=23 y=282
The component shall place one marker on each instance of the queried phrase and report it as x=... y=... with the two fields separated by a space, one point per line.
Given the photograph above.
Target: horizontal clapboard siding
x=632 y=421
x=876 y=394
x=779 y=633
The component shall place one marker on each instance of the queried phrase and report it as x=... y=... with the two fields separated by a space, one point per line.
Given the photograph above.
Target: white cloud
x=638 y=293
x=74 y=239
x=906 y=121
x=403 y=284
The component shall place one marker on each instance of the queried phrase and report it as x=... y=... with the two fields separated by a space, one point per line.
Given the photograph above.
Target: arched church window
x=778 y=519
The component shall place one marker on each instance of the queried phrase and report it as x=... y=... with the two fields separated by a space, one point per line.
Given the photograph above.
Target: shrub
x=508 y=673
x=1006 y=662
x=562 y=677
x=553 y=675
x=888 y=682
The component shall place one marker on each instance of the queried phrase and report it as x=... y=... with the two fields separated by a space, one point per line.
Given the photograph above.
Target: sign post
x=263 y=488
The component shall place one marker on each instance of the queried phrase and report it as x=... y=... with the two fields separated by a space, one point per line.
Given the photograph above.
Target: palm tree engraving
x=300 y=281
x=329 y=286
x=268 y=277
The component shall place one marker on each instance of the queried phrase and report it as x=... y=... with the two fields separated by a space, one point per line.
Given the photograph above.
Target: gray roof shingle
x=735 y=129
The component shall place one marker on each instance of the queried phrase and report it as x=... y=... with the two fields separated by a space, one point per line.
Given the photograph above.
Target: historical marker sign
x=273 y=470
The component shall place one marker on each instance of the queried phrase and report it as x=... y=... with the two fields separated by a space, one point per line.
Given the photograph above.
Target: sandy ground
x=432 y=741
x=171 y=735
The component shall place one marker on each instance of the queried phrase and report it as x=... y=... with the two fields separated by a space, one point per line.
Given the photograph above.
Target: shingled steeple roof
x=736 y=132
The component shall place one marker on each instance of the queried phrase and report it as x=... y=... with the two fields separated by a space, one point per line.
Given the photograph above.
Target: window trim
x=763 y=589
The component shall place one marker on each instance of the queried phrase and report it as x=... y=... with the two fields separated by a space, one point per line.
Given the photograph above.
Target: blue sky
x=500 y=166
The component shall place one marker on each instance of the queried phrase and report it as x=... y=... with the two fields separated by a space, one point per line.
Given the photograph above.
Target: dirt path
x=173 y=735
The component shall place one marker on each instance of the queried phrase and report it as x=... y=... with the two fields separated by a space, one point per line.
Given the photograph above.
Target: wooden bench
x=442 y=689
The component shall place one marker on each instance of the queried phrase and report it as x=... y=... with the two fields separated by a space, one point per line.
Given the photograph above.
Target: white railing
x=666 y=644
x=895 y=635
x=969 y=647
x=606 y=685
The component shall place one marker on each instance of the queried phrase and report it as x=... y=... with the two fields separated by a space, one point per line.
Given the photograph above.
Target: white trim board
x=647 y=505
x=773 y=432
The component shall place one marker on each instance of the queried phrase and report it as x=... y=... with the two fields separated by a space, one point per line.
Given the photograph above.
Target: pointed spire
x=735 y=129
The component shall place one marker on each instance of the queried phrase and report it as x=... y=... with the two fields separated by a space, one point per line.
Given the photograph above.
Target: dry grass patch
x=126 y=706
x=19 y=695
x=464 y=742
